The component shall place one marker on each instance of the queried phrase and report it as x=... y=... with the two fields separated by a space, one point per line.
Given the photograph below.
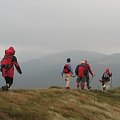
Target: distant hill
x=59 y=104
x=111 y=59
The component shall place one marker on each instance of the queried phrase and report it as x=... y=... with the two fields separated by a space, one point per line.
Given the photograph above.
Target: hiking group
x=82 y=71
x=7 y=68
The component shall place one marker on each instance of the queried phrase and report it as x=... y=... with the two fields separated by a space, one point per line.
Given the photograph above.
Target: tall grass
x=59 y=104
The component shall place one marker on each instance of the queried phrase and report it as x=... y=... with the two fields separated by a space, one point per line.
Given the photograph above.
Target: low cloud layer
x=48 y=26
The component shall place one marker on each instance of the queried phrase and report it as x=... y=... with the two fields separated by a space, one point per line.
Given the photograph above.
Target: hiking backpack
x=80 y=70
x=66 y=68
x=6 y=61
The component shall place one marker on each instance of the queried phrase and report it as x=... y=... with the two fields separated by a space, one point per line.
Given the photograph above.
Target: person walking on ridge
x=67 y=73
x=80 y=72
x=87 y=71
x=7 y=67
x=106 y=79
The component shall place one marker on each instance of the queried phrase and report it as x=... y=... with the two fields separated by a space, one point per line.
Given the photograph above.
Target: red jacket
x=88 y=69
x=107 y=75
x=9 y=71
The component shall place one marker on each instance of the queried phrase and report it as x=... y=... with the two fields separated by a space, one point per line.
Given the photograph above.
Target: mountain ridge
x=56 y=103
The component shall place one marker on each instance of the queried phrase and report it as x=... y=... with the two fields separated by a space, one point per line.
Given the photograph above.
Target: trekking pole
x=91 y=79
x=111 y=82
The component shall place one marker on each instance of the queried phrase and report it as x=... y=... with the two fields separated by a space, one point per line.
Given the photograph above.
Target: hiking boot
x=104 y=88
x=67 y=87
x=5 y=88
x=89 y=88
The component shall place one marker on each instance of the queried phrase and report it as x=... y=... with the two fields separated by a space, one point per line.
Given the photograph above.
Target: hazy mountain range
x=46 y=71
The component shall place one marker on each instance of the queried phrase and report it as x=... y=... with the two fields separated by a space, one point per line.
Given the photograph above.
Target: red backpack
x=6 y=61
x=66 y=68
x=80 y=70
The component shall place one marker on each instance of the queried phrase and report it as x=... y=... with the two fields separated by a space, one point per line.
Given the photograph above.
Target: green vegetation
x=60 y=104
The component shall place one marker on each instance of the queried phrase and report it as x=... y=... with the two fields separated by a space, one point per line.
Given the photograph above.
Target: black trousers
x=9 y=81
x=87 y=80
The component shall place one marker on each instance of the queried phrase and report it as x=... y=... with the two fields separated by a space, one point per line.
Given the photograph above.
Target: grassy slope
x=59 y=104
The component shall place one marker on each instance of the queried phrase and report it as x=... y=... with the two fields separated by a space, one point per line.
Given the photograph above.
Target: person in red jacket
x=105 y=79
x=87 y=71
x=7 y=67
x=67 y=73
x=80 y=72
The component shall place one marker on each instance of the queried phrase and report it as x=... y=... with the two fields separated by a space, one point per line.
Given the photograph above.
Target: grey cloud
x=55 y=25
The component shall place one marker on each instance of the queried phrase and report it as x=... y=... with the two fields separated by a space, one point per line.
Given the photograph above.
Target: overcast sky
x=49 y=26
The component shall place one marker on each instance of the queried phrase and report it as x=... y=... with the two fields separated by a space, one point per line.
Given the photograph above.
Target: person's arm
x=71 y=69
x=110 y=74
x=76 y=70
x=103 y=75
x=90 y=71
x=62 y=73
x=14 y=61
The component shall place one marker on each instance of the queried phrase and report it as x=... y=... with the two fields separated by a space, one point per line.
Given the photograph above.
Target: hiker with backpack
x=87 y=71
x=106 y=79
x=67 y=73
x=80 y=72
x=7 y=67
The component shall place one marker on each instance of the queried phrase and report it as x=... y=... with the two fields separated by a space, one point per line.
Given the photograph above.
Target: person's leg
x=68 y=84
x=104 y=83
x=65 y=78
x=77 y=82
x=103 y=86
x=9 y=82
x=82 y=82
x=87 y=81
x=5 y=87
x=107 y=85
x=68 y=78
